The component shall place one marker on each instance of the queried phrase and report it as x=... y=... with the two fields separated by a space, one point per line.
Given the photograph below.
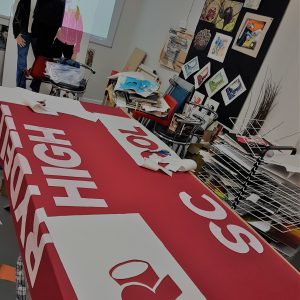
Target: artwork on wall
x=215 y=83
x=190 y=67
x=233 y=90
x=210 y=10
x=252 y=4
x=202 y=39
x=251 y=26
x=3 y=36
x=228 y=15
x=90 y=57
x=219 y=47
x=251 y=34
x=202 y=75
x=175 y=50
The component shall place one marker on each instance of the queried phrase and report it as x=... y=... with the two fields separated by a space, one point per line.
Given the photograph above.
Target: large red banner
x=156 y=236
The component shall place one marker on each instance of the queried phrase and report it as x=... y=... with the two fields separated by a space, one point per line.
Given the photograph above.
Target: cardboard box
x=136 y=58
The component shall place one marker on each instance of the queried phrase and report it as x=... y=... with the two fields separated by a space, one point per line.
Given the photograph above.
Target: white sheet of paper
x=91 y=246
x=57 y=104
x=115 y=124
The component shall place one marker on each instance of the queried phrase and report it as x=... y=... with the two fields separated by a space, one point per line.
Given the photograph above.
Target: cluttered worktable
x=92 y=223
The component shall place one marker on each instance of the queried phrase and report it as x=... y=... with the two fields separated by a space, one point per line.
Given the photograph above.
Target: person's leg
x=22 y=62
x=68 y=51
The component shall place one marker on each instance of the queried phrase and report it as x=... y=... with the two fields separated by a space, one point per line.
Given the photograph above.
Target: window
x=101 y=18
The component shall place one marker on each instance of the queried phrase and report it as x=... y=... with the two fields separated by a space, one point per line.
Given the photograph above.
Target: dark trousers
x=42 y=45
x=61 y=49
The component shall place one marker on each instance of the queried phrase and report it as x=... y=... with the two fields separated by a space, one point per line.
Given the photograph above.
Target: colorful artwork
x=174 y=52
x=210 y=10
x=217 y=82
x=233 y=90
x=219 y=47
x=228 y=15
x=90 y=57
x=190 y=67
x=251 y=34
x=202 y=75
x=202 y=39
x=252 y=4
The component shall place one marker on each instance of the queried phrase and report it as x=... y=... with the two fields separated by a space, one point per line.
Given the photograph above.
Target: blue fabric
x=180 y=95
x=69 y=62
x=22 y=61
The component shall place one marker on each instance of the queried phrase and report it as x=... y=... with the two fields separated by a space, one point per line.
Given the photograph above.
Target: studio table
x=92 y=224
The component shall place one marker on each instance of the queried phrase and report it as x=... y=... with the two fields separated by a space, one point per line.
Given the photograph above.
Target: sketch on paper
x=190 y=67
x=175 y=50
x=219 y=47
x=215 y=83
x=202 y=75
x=228 y=15
x=233 y=90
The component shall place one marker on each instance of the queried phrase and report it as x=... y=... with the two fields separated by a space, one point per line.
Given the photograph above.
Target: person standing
x=22 y=32
x=69 y=36
x=47 y=19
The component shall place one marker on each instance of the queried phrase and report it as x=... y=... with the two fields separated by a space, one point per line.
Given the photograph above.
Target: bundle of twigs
x=264 y=105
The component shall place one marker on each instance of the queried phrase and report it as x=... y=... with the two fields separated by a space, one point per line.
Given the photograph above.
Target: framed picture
x=201 y=76
x=228 y=15
x=252 y=4
x=217 y=82
x=234 y=89
x=251 y=34
x=219 y=47
x=190 y=67
x=210 y=10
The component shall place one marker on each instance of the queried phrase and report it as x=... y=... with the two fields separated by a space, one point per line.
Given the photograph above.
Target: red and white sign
x=75 y=167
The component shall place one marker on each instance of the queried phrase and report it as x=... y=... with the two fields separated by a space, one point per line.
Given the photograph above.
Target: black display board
x=237 y=63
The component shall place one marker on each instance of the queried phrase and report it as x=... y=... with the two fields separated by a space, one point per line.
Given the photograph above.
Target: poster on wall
x=210 y=10
x=228 y=15
x=217 y=82
x=201 y=76
x=175 y=50
x=252 y=4
x=190 y=67
x=251 y=34
x=219 y=47
x=233 y=90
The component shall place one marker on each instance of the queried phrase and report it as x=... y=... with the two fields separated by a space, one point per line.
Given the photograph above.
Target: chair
x=180 y=90
x=164 y=122
x=186 y=127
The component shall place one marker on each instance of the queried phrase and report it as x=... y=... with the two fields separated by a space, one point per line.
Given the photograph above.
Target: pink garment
x=72 y=30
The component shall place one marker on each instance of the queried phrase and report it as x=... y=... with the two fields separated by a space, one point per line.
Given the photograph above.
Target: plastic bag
x=64 y=74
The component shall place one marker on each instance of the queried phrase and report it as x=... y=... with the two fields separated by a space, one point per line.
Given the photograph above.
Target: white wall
x=144 y=24
x=114 y=58
x=283 y=62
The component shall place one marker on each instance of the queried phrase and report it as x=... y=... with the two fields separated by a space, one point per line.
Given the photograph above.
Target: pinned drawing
x=190 y=67
x=174 y=52
x=233 y=90
x=202 y=75
x=219 y=47
x=210 y=10
x=228 y=15
x=215 y=83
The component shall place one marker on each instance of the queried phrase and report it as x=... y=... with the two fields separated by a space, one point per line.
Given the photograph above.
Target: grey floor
x=9 y=250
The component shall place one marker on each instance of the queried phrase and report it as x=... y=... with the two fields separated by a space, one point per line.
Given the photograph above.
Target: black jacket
x=50 y=12
x=21 y=18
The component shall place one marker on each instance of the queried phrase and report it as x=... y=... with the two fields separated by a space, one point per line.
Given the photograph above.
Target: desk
x=169 y=233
